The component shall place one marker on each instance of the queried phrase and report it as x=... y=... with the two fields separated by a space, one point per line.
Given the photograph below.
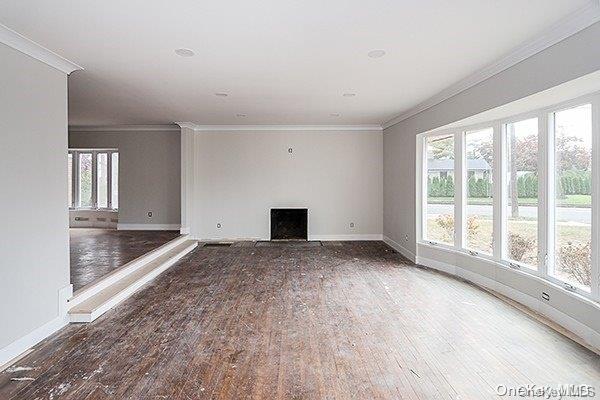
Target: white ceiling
x=280 y=61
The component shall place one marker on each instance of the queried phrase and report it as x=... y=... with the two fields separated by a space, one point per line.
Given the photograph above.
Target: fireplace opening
x=289 y=224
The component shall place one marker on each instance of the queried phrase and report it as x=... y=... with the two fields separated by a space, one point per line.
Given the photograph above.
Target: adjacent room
x=300 y=200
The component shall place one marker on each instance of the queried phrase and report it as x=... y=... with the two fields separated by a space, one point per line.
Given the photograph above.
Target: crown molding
x=568 y=26
x=188 y=125
x=196 y=127
x=124 y=128
x=39 y=52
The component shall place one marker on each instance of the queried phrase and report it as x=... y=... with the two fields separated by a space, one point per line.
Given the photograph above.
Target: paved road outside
x=564 y=214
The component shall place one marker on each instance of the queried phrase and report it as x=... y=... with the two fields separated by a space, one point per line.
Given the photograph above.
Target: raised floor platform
x=96 y=252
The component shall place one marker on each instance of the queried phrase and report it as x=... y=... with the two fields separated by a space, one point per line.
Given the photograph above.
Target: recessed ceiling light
x=221 y=94
x=184 y=52
x=349 y=94
x=241 y=115
x=334 y=114
x=376 y=53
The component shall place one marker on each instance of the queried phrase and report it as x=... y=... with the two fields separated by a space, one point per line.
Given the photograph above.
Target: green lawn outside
x=574 y=200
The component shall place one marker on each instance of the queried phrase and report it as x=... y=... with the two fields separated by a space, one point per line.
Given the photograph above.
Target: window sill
x=106 y=210
x=528 y=273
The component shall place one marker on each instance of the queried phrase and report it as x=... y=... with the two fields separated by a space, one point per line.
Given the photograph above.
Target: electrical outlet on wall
x=290 y=150
x=351 y=224
x=218 y=225
x=150 y=214
x=406 y=237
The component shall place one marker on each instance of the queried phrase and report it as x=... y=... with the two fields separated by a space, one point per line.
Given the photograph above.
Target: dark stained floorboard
x=96 y=252
x=354 y=321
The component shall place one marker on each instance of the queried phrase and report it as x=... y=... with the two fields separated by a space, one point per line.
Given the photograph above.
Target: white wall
x=239 y=176
x=149 y=174
x=572 y=58
x=34 y=241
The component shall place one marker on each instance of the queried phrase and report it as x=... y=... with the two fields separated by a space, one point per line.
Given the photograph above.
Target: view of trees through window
x=440 y=189
x=522 y=190
x=553 y=215
x=85 y=180
x=479 y=146
x=102 y=179
x=573 y=200
x=94 y=174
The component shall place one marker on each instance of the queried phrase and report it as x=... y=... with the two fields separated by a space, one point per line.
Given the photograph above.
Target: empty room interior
x=299 y=200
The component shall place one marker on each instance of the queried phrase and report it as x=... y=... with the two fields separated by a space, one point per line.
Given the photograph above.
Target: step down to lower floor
x=98 y=304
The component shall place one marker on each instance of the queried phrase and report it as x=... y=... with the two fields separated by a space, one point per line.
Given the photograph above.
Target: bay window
x=519 y=192
x=93 y=179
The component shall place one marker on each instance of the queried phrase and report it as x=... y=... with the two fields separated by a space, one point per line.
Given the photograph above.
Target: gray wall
x=34 y=240
x=576 y=56
x=149 y=172
x=239 y=176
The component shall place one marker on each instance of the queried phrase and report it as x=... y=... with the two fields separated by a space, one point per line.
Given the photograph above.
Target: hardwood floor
x=345 y=321
x=96 y=252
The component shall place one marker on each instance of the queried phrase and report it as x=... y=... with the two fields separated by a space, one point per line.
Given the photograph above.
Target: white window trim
x=545 y=189
x=75 y=175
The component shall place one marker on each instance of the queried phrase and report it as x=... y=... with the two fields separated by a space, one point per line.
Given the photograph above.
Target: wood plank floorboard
x=96 y=252
x=350 y=321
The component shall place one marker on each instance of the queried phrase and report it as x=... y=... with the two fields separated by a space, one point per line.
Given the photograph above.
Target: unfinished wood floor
x=352 y=321
x=96 y=252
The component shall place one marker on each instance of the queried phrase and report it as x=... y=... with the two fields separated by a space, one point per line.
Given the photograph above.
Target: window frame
x=545 y=190
x=541 y=159
x=465 y=191
x=423 y=190
x=75 y=173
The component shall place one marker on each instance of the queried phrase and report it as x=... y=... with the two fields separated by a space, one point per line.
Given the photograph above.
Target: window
x=93 y=179
x=102 y=179
x=440 y=189
x=524 y=195
x=522 y=192
x=573 y=197
x=85 y=180
x=115 y=180
x=479 y=161
x=70 y=178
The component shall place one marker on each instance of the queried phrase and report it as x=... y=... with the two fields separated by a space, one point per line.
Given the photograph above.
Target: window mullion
x=109 y=180
x=595 y=281
x=423 y=188
x=76 y=197
x=546 y=201
x=498 y=201
x=545 y=192
x=94 y=179
x=459 y=190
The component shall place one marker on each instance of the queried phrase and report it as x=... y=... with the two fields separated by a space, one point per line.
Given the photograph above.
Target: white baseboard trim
x=148 y=227
x=184 y=230
x=19 y=346
x=587 y=334
x=326 y=238
x=399 y=248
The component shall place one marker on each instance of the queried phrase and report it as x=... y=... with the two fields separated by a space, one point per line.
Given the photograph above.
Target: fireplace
x=289 y=223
